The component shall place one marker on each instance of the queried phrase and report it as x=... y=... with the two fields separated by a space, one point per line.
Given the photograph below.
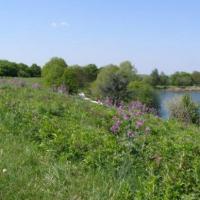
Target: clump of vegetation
x=53 y=71
x=112 y=82
x=144 y=93
x=184 y=109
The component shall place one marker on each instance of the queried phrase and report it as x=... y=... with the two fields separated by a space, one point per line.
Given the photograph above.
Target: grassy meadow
x=54 y=146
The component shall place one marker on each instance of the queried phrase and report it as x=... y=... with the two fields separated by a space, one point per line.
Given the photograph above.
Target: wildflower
x=116 y=126
x=139 y=123
x=130 y=134
x=126 y=116
x=4 y=170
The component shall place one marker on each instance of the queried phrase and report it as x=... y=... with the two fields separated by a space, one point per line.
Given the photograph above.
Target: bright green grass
x=58 y=147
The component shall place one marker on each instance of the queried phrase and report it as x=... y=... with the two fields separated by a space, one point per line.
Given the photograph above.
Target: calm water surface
x=166 y=96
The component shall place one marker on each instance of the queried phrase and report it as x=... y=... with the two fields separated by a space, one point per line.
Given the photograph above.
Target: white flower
x=4 y=170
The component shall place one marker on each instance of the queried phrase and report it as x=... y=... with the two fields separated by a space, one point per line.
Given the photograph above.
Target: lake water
x=166 y=96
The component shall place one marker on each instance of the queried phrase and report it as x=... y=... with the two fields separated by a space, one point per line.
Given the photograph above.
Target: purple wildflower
x=116 y=126
x=139 y=123
x=130 y=134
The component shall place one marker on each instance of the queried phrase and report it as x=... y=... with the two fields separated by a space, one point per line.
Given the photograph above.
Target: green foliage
x=144 y=93
x=112 y=81
x=35 y=70
x=8 y=68
x=54 y=146
x=164 y=79
x=11 y=69
x=155 y=78
x=184 y=109
x=23 y=70
x=196 y=77
x=70 y=79
x=90 y=72
x=53 y=71
x=181 y=79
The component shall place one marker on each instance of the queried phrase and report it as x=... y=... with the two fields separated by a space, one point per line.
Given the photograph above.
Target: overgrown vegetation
x=54 y=146
x=184 y=109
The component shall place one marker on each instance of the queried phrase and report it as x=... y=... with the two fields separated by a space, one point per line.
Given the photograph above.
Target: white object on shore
x=82 y=95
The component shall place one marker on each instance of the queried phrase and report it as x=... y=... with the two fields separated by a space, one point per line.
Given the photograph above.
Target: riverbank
x=179 y=89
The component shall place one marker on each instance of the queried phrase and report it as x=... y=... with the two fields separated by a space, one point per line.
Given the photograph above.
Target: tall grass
x=54 y=146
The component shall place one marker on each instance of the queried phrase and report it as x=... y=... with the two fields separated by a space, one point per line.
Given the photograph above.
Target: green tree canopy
x=53 y=71
x=155 y=78
x=181 y=79
x=196 y=77
x=112 y=81
x=8 y=68
x=35 y=70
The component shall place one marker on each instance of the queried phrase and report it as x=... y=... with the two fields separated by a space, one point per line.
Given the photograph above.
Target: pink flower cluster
x=130 y=119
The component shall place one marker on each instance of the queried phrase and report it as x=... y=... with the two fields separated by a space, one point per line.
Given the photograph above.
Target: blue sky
x=162 y=34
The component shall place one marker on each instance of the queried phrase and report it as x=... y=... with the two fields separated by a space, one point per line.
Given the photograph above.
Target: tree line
x=115 y=82
x=12 y=69
x=176 y=79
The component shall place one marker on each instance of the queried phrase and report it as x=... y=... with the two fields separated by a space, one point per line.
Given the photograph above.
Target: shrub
x=70 y=80
x=143 y=92
x=53 y=72
x=184 y=109
x=112 y=81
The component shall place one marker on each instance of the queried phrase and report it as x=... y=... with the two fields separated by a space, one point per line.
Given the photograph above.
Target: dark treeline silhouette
x=12 y=69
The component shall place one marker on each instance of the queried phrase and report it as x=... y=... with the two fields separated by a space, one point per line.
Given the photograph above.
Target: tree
x=196 y=77
x=53 y=71
x=8 y=68
x=90 y=72
x=112 y=82
x=35 y=70
x=181 y=79
x=164 y=79
x=155 y=78
x=70 y=80
x=23 y=70
x=143 y=92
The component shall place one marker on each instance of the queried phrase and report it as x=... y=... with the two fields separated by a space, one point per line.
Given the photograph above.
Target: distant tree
x=53 y=71
x=196 y=77
x=8 y=68
x=112 y=81
x=80 y=76
x=23 y=70
x=181 y=79
x=164 y=79
x=90 y=72
x=155 y=78
x=35 y=70
x=71 y=80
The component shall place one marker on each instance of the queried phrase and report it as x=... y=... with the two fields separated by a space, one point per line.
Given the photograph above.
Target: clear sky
x=149 y=33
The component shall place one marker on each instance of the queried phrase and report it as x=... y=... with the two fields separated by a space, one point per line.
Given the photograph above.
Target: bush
x=184 y=109
x=53 y=72
x=143 y=92
x=112 y=82
x=70 y=80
